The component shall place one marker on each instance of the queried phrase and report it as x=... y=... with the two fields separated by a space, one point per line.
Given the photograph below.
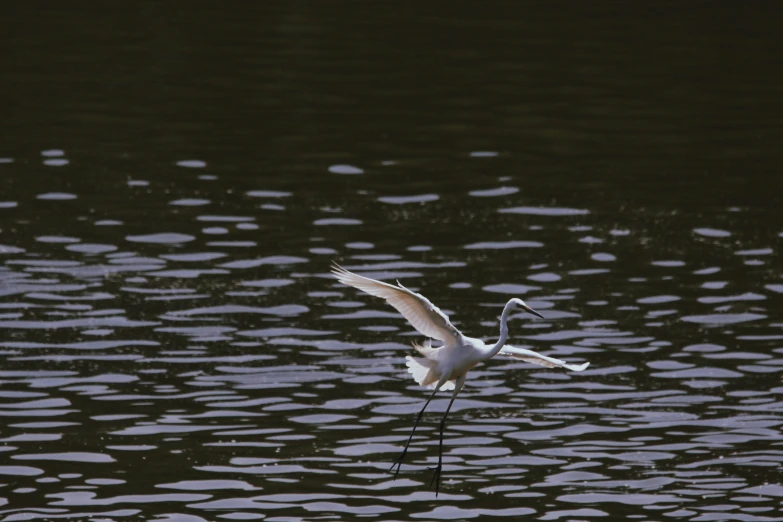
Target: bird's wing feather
x=542 y=360
x=417 y=309
x=426 y=349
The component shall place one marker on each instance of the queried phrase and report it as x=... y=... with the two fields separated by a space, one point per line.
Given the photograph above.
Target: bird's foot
x=435 y=479
x=397 y=463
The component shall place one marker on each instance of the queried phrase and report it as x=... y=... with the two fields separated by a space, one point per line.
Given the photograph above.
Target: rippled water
x=175 y=349
x=205 y=368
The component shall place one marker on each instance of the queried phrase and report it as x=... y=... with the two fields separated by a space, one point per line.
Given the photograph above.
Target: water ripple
x=187 y=365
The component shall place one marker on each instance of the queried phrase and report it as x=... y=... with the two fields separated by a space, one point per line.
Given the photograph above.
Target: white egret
x=444 y=367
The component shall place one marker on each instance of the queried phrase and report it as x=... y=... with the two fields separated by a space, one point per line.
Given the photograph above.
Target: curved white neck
x=503 y=329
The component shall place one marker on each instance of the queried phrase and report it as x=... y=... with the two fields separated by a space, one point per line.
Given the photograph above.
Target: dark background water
x=175 y=180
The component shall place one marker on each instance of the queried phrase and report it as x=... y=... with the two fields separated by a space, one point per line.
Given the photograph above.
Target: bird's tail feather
x=424 y=374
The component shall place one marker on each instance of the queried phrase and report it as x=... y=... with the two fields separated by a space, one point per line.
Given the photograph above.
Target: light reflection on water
x=168 y=373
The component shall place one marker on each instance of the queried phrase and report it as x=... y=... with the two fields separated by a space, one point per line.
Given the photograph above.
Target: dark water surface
x=174 y=185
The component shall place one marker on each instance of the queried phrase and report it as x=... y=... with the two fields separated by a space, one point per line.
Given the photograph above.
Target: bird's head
x=520 y=303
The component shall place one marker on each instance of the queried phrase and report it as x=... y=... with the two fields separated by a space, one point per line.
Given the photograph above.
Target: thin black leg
x=399 y=460
x=436 y=476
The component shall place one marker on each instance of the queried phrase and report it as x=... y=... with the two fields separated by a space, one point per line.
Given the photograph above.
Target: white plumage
x=444 y=367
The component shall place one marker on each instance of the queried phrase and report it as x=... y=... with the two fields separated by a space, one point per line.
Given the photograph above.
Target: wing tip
x=578 y=368
x=339 y=272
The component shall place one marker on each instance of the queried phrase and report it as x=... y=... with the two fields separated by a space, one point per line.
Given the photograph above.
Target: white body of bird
x=444 y=367
x=448 y=361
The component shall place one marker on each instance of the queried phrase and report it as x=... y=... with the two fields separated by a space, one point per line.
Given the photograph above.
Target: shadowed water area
x=175 y=184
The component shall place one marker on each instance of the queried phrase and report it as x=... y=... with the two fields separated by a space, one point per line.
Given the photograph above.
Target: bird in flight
x=444 y=367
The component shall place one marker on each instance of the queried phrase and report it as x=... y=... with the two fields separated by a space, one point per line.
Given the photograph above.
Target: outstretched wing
x=417 y=309
x=542 y=360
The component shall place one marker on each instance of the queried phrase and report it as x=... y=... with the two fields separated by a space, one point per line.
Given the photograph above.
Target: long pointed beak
x=531 y=311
